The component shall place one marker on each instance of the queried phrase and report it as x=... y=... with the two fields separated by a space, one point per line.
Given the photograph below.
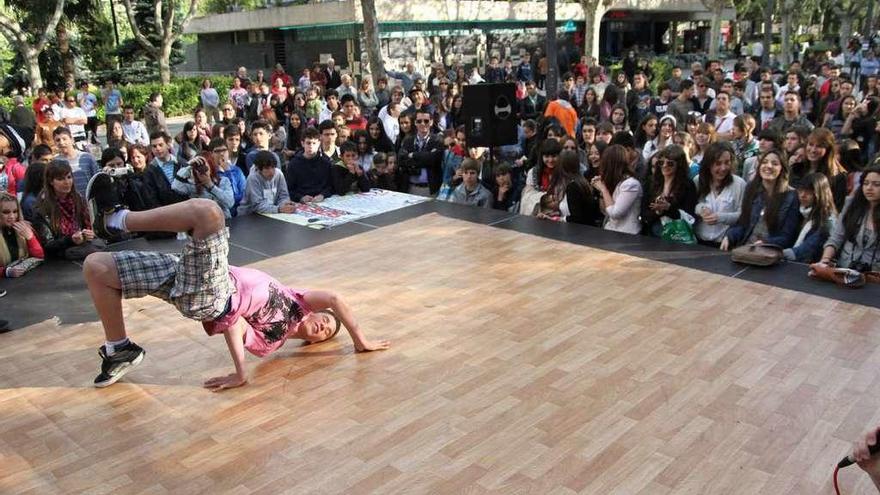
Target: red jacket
x=14 y=172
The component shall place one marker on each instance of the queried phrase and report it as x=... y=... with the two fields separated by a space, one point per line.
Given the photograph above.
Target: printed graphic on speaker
x=490 y=114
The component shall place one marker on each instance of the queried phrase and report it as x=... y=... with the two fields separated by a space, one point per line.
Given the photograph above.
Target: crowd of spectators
x=751 y=155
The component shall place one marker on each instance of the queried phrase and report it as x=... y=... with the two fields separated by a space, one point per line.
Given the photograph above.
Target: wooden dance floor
x=519 y=365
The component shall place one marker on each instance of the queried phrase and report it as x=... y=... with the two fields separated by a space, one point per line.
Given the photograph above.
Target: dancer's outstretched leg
x=112 y=276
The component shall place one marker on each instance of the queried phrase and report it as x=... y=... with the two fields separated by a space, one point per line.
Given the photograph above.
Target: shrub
x=181 y=96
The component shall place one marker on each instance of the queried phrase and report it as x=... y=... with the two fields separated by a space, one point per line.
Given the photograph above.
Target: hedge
x=180 y=97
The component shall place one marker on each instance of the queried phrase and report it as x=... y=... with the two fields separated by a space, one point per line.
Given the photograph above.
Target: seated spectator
x=854 y=241
x=308 y=173
x=20 y=249
x=538 y=177
x=146 y=187
x=548 y=208
x=266 y=189
x=135 y=131
x=351 y=113
x=719 y=195
x=381 y=176
x=745 y=145
x=261 y=135
x=163 y=158
x=62 y=218
x=44 y=132
x=450 y=169
x=33 y=180
x=329 y=149
x=220 y=154
x=770 y=208
x=200 y=179
x=687 y=143
x=471 y=191
x=768 y=140
x=189 y=143
x=379 y=141
x=236 y=149
x=620 y=192
x=817 y=219
x=505 y=195
x=671 y=191
x=82 y=165
x=821 y=156
x=364 y=149
x=297 y=123
x=349 y=177
x=577 y=202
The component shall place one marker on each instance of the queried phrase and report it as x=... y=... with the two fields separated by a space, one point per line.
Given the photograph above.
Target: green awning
x=352 y=30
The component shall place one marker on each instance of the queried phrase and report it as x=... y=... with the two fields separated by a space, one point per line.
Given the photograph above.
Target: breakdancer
x=252 y=310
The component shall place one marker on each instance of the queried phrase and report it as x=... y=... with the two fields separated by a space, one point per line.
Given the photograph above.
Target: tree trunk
x=552 y=65
x=590 y=8
x=768 y=28
x=786 y=35
x=164 y=60
x=371 y=38
x=68 y=66
x=846 y=28
x=32 y=62
x=715 y=30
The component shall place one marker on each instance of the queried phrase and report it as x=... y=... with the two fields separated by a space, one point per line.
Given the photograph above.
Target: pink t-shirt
x=271 y=310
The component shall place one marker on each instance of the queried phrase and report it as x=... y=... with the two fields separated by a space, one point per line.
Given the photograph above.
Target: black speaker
x=490 y=114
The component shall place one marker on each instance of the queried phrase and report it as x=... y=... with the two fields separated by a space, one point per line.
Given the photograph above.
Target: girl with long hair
x=818 y=215
x=590 y=105
x=296 y=125
x=620 y=192
x=190 y=145
x=577 y=203
x=719 y=194
x=770 y=207
x=378 y=139
x=672 y=191
x=821 y=156
x=703 y=137
x=62 y=217
x=854 y=241
x=645 y=134
x=20 y=249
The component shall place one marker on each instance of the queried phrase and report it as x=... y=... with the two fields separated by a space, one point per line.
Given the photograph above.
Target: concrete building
x=296 y=35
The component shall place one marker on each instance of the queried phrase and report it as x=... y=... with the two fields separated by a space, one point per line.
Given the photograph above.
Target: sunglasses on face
x=665 y=162
x=423 y=121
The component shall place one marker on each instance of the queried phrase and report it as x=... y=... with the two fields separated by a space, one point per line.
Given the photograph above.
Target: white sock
x=111 y=345
x=116 y=220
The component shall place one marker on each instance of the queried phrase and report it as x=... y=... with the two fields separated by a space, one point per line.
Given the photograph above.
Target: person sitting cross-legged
x=265 y=189
x=471 y=191
x=251 y=309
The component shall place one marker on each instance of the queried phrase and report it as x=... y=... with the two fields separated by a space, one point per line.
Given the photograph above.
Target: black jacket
x=583 y=206
x=308 y=176
x=333 y=80
x=345 y=182
x=529 y=110
x=428 y=157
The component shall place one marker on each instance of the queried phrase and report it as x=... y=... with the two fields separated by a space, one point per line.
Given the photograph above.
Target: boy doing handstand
x=251 y=309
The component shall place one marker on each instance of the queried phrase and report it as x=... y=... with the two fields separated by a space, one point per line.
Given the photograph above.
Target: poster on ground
x=337 y=210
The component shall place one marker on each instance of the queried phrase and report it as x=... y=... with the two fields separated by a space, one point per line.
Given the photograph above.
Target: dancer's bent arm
x=318 y=300
x=235 y=341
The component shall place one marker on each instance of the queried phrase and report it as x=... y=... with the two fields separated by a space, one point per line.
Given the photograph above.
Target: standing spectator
x=407 y=78
x=279 y=73
x=82 y=165
x=869 y=67
x=533 y=105
x=154 y=117
x=45 y=130
x=683 y=104
x=563 y=112
x=21 y=115
x=791 y=114
x=383 y=95
x=367 y=98
x=39 y=103
x=113 y=104
x=89 y=104
x=331 y=75
x=305 y=80
x=346 y=86
x=74 y=118
x=420 y=155
x=638 y=101
x=766 y=112
x=238 y=95
x=524 y=71
x=134 y=130
x=210 y=101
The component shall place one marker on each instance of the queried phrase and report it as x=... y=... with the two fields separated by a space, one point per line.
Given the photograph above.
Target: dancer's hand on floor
x=219 y=383
x=369 y=345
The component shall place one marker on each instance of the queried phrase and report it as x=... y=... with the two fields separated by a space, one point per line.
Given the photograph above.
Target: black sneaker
x=103 y=198
x=121 y=362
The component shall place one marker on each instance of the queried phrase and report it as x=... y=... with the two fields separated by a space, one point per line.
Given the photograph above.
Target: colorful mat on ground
x=337 y=210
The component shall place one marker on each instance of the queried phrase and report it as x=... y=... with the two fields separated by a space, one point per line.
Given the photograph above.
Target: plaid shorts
x=196 y=282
